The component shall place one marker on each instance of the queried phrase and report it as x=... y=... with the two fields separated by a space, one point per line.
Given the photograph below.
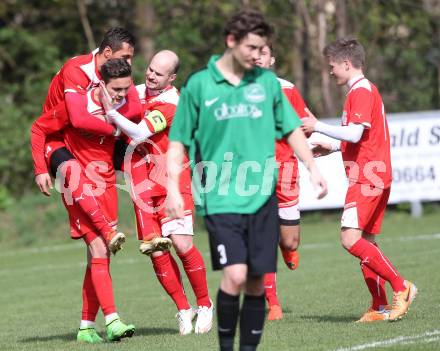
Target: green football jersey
x=230 y=132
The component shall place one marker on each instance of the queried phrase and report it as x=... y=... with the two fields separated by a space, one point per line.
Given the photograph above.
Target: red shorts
x=80 y=225
x=365 y=207
x=287 y=188
x=152 y=220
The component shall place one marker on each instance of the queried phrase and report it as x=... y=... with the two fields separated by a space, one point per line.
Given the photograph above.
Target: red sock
x=76 y=184
x=195 y=270
x=102 y=282
x=90 y=300
x=176 y=270
x=168 y=278
x=376 y=286
x=270 y=288
x=373 y=258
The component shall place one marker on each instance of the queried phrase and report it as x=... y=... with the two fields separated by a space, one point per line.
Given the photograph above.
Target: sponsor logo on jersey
x=210 y=102
x=241 y=110
x=254 y=93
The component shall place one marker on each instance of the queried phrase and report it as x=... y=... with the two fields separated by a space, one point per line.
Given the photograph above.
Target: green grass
x=41 y=284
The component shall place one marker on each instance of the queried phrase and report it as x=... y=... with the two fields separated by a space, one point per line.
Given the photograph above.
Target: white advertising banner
x=415 y=158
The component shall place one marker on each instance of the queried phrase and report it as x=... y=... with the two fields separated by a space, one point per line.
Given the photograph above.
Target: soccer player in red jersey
x=93 y=156
x=70 y=84
x=159 y=99
x=365 y=148
x=287 y=191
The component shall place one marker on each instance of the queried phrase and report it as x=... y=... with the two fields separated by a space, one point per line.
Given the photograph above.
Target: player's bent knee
x=234 y=280
x=181 y=243
x=349 y=236
x=98 y=248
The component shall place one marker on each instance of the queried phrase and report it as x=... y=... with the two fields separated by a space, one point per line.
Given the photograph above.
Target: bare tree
x=433 y=8
x=341 y=18
x=82 y=9
x=299 y=63
x=329 y=106
x=145 y=24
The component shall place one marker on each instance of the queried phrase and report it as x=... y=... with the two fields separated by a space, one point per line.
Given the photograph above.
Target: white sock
x=86 y=324
x=110 y=318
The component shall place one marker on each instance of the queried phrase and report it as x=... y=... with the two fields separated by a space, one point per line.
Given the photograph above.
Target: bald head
x=162 y=70
x=168 y=58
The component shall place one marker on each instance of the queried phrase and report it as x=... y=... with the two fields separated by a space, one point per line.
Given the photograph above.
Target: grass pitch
x=41 y=285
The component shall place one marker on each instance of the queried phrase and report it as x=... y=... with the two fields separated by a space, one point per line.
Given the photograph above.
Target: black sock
x=252 y=316
x=228 y=307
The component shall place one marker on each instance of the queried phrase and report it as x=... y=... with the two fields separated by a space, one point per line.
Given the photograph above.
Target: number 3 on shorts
x=222 y=252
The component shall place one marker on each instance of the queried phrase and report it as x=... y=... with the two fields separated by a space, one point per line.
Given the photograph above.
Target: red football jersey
x=165 y=103
x=94 y=152
x=287 y=189
x=283 y=151
x=367 y=161
x=79 y=74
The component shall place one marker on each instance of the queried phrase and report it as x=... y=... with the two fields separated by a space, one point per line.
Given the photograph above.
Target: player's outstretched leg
x=194 y=267
x=270 y=289
x=168 y=273
x=87 y=332
x=371 y=256
x=379 y=309
x=77 y=189
x=99 y=260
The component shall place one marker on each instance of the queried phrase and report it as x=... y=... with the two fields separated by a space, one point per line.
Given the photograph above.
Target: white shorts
x=289 y=215
x=178 y=226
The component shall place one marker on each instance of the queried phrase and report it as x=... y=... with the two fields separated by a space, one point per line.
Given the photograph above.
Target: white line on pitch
x=426 y=337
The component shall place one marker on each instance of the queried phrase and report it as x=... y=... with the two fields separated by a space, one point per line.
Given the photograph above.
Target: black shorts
x=251 y=239
x=119 y=154
x=57 y=158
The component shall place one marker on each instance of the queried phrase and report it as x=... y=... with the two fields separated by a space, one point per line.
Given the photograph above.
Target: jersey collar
x=249 y=76
x=153 y=93
x=355 y=80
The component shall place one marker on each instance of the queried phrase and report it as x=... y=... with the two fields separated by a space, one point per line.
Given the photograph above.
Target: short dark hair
x=115 y=37
x=115 y=68
x=245 y=22
x=347 y=48
x=271 y=48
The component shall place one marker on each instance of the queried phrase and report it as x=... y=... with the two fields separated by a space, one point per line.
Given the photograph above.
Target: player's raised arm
x=351 y=133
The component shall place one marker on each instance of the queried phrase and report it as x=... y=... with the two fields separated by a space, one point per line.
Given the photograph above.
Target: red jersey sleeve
x=168 y=110
x=360 y=107
x=159 y=117
x=50 y=122
x=298 y=103
x=81 y=118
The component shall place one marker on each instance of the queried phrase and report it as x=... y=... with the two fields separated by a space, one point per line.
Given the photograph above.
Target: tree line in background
x=401 y=37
